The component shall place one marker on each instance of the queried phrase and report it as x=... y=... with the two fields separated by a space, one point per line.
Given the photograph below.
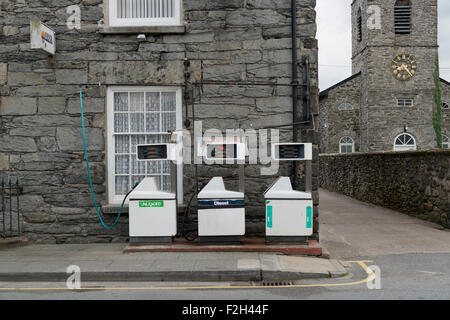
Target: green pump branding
x=269 y=215
x=151 y=204
x=309 y=217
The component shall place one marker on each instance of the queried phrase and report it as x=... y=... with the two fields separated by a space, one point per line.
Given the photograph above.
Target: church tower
x=395 y=48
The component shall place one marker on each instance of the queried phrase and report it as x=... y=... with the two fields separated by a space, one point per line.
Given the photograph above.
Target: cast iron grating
x=277 y=283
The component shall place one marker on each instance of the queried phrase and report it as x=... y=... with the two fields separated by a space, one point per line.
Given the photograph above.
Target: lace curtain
x=141 y=118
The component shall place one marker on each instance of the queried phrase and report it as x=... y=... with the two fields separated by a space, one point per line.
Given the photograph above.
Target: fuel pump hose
x=90 y=178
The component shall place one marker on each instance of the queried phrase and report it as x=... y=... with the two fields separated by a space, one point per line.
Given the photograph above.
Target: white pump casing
x=282 y=189
x=220 y=212
x=153 y=213
x=289 y=213
x=215 y=189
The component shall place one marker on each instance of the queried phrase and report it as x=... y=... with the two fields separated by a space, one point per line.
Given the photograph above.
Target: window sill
x=113 y=209
x=144 y=30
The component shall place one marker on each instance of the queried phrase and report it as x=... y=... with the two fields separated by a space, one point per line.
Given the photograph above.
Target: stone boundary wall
x=415 y=182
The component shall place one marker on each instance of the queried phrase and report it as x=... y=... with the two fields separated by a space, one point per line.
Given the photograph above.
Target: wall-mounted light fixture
x=405 y=128
x=142 y=37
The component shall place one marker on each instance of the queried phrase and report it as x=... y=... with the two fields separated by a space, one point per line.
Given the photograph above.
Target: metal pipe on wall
x=307 y=89
x=294 y=87
x=3 y=208
x=10 y=208
x=18 y=206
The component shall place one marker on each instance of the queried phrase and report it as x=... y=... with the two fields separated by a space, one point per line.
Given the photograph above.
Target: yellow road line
x=363 y=265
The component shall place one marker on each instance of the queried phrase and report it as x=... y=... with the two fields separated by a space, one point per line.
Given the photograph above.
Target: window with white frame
x=346 y=145
x=137 y=116
x=345 y=107
x=445 y=142
x=445 y=106
x=405 y=102
x=405 y=142
x=144 y=13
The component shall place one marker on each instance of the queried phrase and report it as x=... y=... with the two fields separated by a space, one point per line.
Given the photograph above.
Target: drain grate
x=277 y=283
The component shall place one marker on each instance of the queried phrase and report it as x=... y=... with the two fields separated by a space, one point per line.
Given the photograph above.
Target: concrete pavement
x=403 y=276
x=107 y=262
x=411 y=254
x=350 y=228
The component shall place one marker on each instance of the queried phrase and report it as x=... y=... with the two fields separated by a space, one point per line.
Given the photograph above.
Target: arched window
x=346 y=145
x=359 y=24
x=345 y=107
x=445 y=106
x=402 y=17
x=405 y=142
x=445 y=142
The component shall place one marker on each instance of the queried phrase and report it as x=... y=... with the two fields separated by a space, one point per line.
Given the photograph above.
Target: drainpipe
x=294 y=84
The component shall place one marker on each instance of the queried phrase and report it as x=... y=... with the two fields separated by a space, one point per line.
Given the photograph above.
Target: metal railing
x=12 y=222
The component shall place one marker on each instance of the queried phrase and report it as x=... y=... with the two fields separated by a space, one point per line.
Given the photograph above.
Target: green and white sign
x=269 y=216
x=151 y=204
x=309 y=217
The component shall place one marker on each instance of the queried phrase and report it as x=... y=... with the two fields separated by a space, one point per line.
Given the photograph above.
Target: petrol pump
x=289 y=213
x=152 y=211
x=221 y=212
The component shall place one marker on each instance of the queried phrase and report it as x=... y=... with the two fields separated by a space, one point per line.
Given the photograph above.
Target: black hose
x=127 y=195
x=186 y=213
x=188 y=207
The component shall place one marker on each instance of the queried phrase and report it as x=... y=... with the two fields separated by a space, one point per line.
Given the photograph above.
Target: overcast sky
x=335 y=45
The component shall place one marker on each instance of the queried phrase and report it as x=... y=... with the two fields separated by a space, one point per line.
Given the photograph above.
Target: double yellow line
x=370 y=277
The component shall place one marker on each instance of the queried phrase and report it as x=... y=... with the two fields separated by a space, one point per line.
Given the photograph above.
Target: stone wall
x=232 y=40
x=416 y=183
x=445 y=87
x=336 y=124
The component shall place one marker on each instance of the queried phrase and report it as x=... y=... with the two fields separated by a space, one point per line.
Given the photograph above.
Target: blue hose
x=89 y=174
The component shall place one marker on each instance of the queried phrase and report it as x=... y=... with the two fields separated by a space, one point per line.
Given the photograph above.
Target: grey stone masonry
x=445 y=88
x=337 y=123
x=226 y=40
x=380 y=120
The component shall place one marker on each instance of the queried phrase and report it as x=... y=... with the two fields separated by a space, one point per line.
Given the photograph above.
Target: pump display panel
x=152 y=152
x=222 y=151
x=292 y=151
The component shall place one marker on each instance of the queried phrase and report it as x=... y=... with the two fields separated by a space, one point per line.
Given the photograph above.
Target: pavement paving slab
x=312 y=248
x=107 y=262
x=350 y=228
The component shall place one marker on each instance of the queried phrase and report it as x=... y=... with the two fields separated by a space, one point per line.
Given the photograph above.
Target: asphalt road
x=404 y=276
x=350 y=228
x=412 y=255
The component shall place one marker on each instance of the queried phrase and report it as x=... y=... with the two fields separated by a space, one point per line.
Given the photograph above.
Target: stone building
x=137 y=63
x=388 y=102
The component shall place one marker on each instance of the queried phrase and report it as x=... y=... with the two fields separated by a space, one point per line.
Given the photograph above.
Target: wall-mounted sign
x=42 y=37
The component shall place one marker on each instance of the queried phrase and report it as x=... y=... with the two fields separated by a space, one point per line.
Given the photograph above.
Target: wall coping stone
x=144 y=30
x=391 y=153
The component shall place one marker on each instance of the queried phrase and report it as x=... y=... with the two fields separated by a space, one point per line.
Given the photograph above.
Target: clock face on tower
x=404 y=67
